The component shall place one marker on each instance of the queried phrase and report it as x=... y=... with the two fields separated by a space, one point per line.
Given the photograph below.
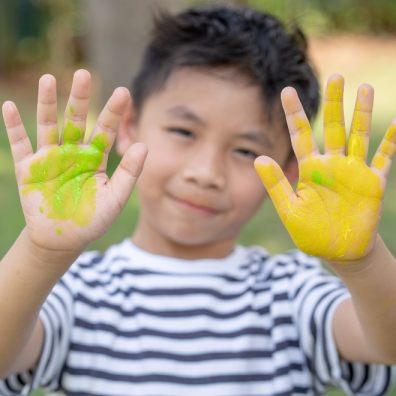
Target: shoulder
x=94 y=264
x=286 y=264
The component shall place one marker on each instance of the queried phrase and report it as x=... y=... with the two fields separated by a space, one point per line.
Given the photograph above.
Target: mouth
x=196 y=207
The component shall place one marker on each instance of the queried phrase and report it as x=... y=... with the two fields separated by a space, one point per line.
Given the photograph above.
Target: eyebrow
x=256 y=137
x=187 y=114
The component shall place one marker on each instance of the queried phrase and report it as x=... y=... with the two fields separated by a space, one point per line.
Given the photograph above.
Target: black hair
x=250 y=42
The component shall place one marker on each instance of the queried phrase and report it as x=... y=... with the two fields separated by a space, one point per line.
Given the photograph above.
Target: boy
x=180 y=308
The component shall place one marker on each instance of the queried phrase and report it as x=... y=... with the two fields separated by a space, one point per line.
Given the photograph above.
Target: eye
x=181 y=132
x=246 y=153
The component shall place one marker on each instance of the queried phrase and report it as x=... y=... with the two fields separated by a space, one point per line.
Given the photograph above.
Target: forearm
x=27 y=275
x=372 y=284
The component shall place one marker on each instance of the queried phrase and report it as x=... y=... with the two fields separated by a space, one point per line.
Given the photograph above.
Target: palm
x=69 y=181
x=333 y=209
x=334 y=212
x=66 y=196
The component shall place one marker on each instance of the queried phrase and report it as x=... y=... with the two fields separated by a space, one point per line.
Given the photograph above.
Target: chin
x=190 y=239
x=188 y=236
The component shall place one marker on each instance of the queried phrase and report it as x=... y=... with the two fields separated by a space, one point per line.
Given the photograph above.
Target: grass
x=265 y=229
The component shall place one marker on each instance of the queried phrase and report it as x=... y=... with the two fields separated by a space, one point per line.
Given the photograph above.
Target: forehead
x=216 y=95
x=217 y=89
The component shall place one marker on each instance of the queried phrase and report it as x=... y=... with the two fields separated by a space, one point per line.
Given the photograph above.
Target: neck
x=154 y=242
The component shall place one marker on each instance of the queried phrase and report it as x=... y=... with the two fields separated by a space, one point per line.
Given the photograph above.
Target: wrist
x=363 y=264
x=43 y=257
x=29 y=272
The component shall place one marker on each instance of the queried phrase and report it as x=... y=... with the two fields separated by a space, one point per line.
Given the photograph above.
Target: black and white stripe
x=130 y=323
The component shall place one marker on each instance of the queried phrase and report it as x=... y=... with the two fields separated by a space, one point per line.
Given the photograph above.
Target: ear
x=291 y=170
x=127 y=129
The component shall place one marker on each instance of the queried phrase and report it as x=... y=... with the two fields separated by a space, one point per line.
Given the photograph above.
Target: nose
x=206 y=168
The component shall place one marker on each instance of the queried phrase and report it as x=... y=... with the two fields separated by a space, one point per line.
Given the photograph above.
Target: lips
x=195 y=206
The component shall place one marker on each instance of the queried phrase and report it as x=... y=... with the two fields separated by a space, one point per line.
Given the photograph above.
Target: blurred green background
x=356 y=38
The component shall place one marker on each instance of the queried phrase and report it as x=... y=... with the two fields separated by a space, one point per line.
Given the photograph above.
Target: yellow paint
x=335 y=210
x=386 y=150
x=357 y=146
x=363 y=92
x=379 y=161
x=361 y=122
x=52 y=136
x=391 y=133
x=388 y=302
x=333 y=116
x=334 y=219
x=65 y=176
x=276 y=184
x=335 y=90
x=358 y=141
x=269 y=173
x=335 y=138
x=387 y=147
x=303 y=138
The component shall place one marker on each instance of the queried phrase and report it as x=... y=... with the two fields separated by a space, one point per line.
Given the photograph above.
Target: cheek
x=248 y=195
x=158 y=168
x=162 y=152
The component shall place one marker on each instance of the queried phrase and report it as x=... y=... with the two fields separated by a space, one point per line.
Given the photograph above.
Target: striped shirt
x=130 y=323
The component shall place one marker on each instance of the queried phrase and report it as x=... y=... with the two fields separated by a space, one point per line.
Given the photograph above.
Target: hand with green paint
x=67 y=198
x=335 y=211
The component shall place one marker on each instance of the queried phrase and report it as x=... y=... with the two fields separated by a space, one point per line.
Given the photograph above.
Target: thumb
x=128 y=170
x=276 y=184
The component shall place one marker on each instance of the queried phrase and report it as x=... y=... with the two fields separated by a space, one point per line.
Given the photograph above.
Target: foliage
x=324 y=17
x=35 y=28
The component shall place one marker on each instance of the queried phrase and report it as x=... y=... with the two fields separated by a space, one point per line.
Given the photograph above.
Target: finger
x=77 y=108
x=382 y=159
x=47 y=113
x=300 y=131
x=333 y=119
x=276 y=184
x=20 y=144
x=124 y=178
x=109 y=119
x=361 y=122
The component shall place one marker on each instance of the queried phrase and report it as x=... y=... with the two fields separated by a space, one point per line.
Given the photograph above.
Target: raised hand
x=66 y=196
x=335 y=211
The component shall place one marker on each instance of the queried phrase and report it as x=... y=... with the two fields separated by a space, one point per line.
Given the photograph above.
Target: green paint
x=59 y=231
x=66 y=178
x=71 y=133
x=101 y=142
x=316 y=177
x=320 y=179
x=41 y=209
x=52 y=136
x=71 y=109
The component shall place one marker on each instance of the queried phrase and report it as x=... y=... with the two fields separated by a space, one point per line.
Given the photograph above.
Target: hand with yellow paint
x=335 y=211
x=67 y=198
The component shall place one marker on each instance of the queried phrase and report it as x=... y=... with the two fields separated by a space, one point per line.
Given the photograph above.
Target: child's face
x=199 y=186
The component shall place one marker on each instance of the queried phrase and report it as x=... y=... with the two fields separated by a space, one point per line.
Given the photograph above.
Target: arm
x=334 y=215
x=67 y=200
x=364 y=326
x=27 y=275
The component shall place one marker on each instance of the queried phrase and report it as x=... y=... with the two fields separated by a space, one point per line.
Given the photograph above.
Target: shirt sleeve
x=316 y=294
x=57 y=317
